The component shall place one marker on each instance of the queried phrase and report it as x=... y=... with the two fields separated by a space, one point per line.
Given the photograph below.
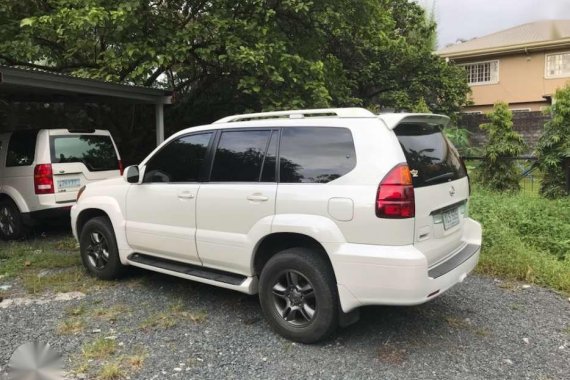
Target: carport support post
x=159 y=113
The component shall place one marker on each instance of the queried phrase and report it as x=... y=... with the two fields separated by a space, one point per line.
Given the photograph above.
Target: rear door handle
x=185 y=195
x=257 y=198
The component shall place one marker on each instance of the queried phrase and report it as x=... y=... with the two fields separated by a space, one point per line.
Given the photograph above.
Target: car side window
x=315 y=155
x=21 y=148
x=182 y=160
x=239 y=156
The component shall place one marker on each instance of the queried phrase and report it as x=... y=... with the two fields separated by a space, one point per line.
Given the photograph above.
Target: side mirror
x=131 y=174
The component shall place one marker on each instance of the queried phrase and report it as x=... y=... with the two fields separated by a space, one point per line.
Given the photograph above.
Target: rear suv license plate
x=64 y=184
x=451 y=218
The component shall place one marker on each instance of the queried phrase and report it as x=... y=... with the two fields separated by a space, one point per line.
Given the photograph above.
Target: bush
x=554 y=146
x=498 y=171
x=524 y=238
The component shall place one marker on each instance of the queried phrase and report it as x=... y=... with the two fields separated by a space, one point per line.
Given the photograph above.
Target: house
x=522 y=66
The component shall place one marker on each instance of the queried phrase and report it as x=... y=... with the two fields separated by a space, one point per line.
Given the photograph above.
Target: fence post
x=566 y=167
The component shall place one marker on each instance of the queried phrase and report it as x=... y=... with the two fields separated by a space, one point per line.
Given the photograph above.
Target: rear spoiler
x=79 y=130
x=392 y=120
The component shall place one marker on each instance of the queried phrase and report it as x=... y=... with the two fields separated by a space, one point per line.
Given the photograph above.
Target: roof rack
x=300 y=114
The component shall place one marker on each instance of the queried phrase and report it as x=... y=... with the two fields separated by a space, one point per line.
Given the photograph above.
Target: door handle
x=257 y=198
x=185 y=195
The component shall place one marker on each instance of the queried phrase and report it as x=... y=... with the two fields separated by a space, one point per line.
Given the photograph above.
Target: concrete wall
x=529 y=124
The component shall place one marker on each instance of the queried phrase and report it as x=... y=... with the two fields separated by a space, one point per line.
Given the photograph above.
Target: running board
x=188 y=269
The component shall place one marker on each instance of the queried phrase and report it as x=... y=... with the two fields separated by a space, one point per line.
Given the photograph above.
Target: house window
x=558 y=65
x=482 y=72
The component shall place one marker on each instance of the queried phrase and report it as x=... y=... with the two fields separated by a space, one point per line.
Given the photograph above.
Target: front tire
x=11 y=223
x=298 y=295
x=98 y=247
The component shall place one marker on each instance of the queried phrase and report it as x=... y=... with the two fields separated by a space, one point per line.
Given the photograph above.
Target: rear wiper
x=440 y=177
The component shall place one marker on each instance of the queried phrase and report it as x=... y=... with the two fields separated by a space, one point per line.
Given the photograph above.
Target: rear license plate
x=66 y=184
x=450 y=218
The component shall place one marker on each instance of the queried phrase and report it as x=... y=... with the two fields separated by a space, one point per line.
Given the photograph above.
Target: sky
x=467 y=19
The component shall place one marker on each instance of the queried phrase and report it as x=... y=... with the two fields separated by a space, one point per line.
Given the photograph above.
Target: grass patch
x=19 y=257
x=525 y=238
x=71 y=326
x=111 y=371
x=67 y=280
x=99 y=349
x=111 y=313
x=135 y=361
x=76 y=311
x=456 y=323
x=170 y=318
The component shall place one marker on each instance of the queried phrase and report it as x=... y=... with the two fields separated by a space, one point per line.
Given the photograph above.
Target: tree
x=498 y=171
x=553 y=148
x=226 y=57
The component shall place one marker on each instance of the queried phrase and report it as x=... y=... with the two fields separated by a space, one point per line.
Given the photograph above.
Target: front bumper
x=372 y=275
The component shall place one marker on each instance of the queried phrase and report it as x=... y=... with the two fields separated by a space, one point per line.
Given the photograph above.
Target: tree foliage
x=553 y=148
x=227 y=56
x=498 y=171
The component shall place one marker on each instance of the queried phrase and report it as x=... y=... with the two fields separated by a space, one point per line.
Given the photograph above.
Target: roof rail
x=300 y=114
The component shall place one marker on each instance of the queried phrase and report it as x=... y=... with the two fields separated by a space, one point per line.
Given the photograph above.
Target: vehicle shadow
x=391 y=328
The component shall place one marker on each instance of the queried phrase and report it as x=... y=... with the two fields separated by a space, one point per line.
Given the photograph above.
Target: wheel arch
x=14 y=195
x=87 y=214
x=276 y=242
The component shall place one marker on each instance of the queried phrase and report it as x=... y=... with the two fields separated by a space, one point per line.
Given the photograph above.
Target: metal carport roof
x=19 y=84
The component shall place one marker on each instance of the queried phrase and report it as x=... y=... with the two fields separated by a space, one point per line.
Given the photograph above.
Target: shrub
x=498 y=171
x=553 y=147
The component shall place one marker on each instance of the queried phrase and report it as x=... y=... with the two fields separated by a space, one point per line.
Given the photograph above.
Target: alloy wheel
x=97 y=250
x=294 y=298
x=7 y=222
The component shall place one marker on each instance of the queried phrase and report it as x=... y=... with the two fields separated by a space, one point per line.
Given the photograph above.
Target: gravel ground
x=481 y=329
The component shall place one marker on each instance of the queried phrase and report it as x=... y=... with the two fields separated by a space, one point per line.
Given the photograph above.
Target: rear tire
x=98 y=248
x=11 y=224
x=298 y=295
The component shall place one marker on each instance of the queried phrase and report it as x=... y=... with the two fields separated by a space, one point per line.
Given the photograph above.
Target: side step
x=189 y=269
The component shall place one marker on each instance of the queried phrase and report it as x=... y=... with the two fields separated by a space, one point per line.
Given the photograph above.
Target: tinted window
x=431 y=157
x=96 y=152
x=239 y=156
x=182 y=160
x=315 y=155
x=269 y=164
x=21 y=148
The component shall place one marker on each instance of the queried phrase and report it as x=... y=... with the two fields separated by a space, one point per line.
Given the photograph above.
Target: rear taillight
x=121 y=168
x=395 y=198
x=43 y=179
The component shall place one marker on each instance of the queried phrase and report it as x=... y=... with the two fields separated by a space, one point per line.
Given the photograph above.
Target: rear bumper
x=374 y=275
x=40 y=216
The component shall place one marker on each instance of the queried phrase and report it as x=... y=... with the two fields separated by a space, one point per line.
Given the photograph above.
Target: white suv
x=42 y=170
x=318 y=211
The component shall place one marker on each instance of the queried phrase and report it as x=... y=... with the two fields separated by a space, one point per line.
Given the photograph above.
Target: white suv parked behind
x=42 y=170
x=318 y=211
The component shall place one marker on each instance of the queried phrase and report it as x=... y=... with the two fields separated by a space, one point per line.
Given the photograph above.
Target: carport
x=31 y=85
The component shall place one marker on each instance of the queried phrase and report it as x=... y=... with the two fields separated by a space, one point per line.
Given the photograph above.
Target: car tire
x=98 y=247
x=11 y=224
x=298 y=295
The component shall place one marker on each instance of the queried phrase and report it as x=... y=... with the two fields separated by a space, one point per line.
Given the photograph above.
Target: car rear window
x=96 y=152
x=432 y=158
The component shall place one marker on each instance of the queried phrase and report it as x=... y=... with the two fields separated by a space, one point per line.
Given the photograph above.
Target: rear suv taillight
x=121 y=167
x=395 y=198
x=43 y=179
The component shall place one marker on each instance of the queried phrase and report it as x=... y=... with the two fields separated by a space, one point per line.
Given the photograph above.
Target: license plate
x=65 y=184
x=450 y=218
